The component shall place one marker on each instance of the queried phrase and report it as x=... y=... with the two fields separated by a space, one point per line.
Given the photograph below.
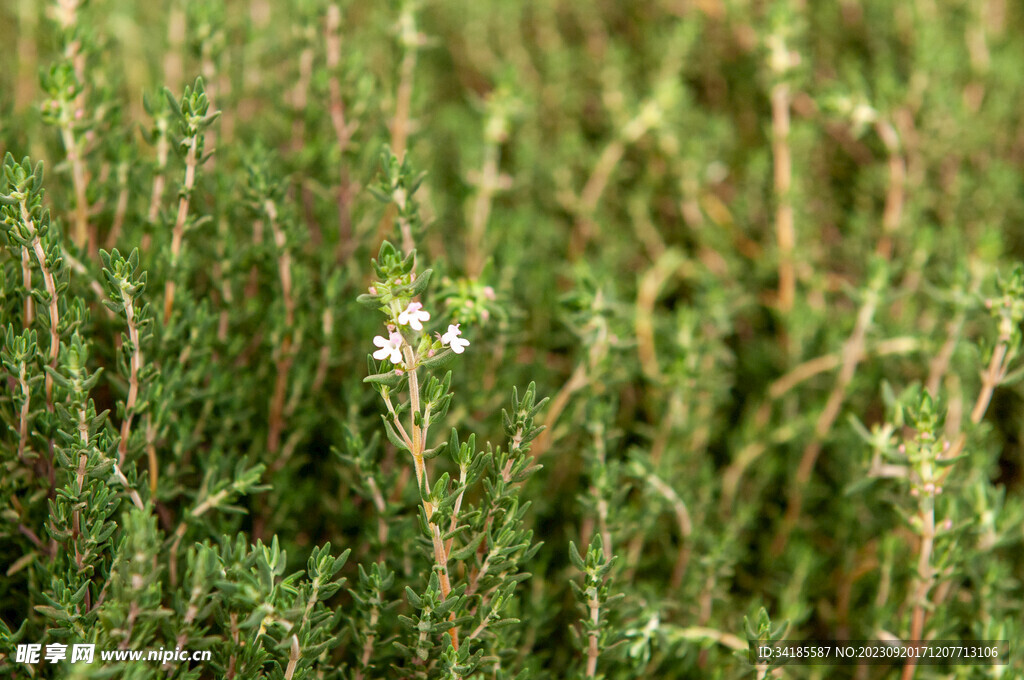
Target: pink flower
x=390 y=348
x=452 y=338
x=413 y=316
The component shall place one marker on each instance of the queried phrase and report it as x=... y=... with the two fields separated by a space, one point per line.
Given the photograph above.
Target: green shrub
x=509 y=340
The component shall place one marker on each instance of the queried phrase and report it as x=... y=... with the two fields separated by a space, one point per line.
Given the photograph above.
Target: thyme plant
x=509 y=340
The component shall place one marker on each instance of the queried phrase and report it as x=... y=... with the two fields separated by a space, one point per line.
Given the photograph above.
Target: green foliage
x=758 y=266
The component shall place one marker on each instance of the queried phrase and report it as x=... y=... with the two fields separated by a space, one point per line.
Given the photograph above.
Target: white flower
x=452 y=338
x=413 y=316
x=390 y=348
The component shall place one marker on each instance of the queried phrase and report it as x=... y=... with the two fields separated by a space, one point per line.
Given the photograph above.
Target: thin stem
x=601 y=174
x=324 y=357
x=403 y=97
x=23 y=417
x=156 y=196
x=26 y=282
x=463 y=471
x=364 y=660
x=178 y=233
x=684 y=523
x=593 y=650
x=926 y=579
x=79 y=182
x=293 y=658
x=122 y=206
x=398 y=425
x=83 y=436
x=785 y=231
x=133 y=377
x=381 y=506
x=343 y=130
x=422 y=478
x=895 y=195
x=288 y=348
x=51 y=292
x=173 y=62
x=487 y=186
x=410 y=40
x=132 y=493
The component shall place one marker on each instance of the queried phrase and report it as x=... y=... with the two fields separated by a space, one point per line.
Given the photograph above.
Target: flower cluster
x=414 y=315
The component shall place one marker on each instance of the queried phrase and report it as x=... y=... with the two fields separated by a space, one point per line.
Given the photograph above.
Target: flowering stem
x=423 y=480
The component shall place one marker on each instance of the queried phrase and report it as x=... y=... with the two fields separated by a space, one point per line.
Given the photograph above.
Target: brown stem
x=895 y=194
x=173 y=62
x=403 y=101
x=343 y=130
x=288 y=348
x=785 y=231
x=154 y=469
